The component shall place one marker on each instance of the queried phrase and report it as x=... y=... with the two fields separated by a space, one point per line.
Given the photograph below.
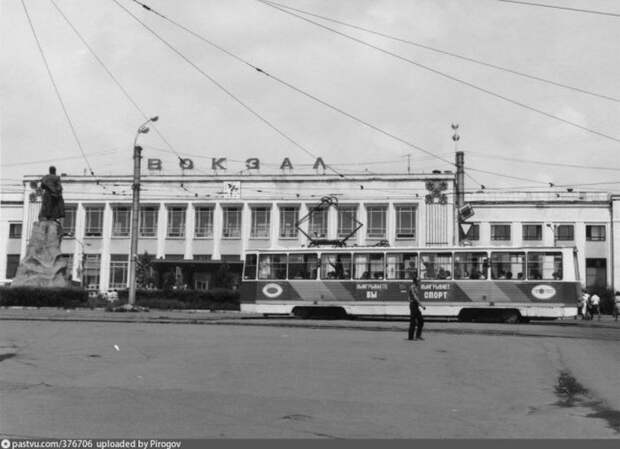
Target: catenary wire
x=565 y=8
x=224 y=89
x=445 y=75
x=114 y=78
x=51 y=76
x=476 y=154
x=452 y=54
x=293 y=87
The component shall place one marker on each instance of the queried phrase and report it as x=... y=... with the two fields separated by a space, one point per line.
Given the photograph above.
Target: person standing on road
x=585 y=300
x=616 y=310
x=416 y=320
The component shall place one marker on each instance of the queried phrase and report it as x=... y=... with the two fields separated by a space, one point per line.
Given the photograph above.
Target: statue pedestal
x=44 y=265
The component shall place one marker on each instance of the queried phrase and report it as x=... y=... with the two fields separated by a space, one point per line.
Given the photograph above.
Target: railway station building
x=194 y=223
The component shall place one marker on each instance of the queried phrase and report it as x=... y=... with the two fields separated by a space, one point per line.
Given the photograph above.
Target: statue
x=43 y=264
x=53 y=205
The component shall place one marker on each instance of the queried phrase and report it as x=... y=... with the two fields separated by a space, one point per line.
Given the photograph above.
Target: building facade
x=216 y=218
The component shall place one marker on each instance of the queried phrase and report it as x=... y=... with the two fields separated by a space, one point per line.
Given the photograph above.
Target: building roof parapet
x=537 y=196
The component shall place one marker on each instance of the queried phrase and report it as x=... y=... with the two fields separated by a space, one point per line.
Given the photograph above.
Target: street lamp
x=135 y=209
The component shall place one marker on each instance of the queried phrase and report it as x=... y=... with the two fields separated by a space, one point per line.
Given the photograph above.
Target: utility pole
x=135 y=211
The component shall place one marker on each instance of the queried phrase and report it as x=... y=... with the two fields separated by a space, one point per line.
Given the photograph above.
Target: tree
x=144 y=270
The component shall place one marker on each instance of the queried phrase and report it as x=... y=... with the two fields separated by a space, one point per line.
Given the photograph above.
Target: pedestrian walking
x=595 y=306
x=416 y=319
x=616 y=310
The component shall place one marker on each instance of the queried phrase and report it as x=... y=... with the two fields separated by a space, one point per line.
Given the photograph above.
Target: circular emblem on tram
x=543 y=292
x=272 y=290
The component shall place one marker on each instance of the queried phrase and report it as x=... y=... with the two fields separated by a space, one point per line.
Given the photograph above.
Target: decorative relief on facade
x=436 y=188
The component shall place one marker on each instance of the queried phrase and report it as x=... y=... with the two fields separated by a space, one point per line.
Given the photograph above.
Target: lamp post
x=135 y=209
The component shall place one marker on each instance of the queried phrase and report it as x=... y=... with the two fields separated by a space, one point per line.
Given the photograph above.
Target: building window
x=148 y=221
x=202 y=257
x=473 y=234
x=317 y=226
x=121 y=219
x=260 y=222
x=565 y=232
x=68 y=221
x=15 y=230
x=119 y=267
x=92 y=267
x=176 y=222
x=94 y=221
x=532 y=232
x=204 y=222
x=12 y=262
x=288 y=219
x=595 y=233
x=232 y=223
x=500 y=232
x=376 y=225
x=347 y=216
x=405 y=222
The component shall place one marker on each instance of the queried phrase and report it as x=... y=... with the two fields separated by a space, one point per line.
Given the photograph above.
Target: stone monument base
x=44 y=265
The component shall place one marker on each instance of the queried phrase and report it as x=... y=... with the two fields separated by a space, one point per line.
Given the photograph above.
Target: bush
x=67 y=298
x=215 y=299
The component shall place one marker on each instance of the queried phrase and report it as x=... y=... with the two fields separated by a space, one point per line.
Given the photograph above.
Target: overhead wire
x=566 y=8
x=56 y=90
x=114 y=78
x=224 y=89
x=449 y=53
x=442 y=74
x=291 y=86
x=538 y=162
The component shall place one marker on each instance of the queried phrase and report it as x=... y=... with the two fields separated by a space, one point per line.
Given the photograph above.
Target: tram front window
x=249 y=268
x=401 y=265
x=546 y=266
x=470 y=265
x=436 y=266
x=302 y=266
x=507 y=265
x=272 y=266
x=335 y=266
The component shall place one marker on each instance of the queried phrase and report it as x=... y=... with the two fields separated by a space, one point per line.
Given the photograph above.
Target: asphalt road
x=300 y=379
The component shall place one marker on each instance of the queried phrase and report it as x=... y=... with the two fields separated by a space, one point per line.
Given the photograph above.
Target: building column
x=162 y=230
x=78 y=248
x=332 y=223
x=615 y=242
x=218 y=222
x=420 y=224
x=274 y=236
x=246 y=226
x=190 y=226
x=391 y=224
x=104 y=268
x=25 y=227
x=303 y=211
x=362 y=217
x=516 y=234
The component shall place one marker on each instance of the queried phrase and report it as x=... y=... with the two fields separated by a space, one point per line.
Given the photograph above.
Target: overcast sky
x=201 y=121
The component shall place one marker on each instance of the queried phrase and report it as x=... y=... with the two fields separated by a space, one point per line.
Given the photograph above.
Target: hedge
x=67 y=298
x=214 y=299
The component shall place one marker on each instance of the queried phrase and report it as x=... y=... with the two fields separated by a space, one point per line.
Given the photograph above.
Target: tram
x=468 y=283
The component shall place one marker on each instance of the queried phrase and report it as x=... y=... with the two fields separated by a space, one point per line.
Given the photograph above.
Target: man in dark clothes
x=416 y=320
x=53 y=205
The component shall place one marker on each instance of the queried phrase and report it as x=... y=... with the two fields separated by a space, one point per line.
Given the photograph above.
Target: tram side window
x=335 y=266
x=436 y=266
x=471 y=265
x=272 y=266
x=302 y=266
x=368 y=266
x=249 y=268
x=546 y=266
x=507 y=265
x=401 y=265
